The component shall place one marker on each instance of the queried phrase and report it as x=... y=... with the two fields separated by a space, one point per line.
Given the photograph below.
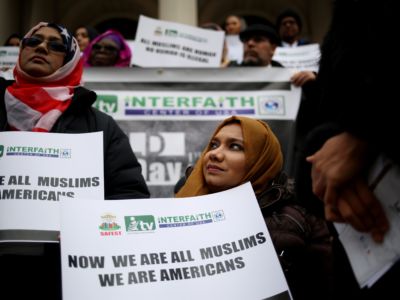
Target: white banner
x=199 y=105
x=303 y=58
x=205 y=102
x=169 y=114
x=8 y=56
x=8 y=59
x=168 y=44
x=209 y=247
x=36 y=171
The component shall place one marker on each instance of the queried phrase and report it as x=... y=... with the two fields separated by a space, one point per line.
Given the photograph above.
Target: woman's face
x=43 y=53
x=82 y=36
x=224 y=165
x=104 y=53
x=232 y=25
x=14 y=41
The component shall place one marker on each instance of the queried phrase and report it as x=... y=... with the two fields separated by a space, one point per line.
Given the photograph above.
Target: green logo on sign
x=171 y=32
x=139 y=223
x=107 y=103
x=1 y=150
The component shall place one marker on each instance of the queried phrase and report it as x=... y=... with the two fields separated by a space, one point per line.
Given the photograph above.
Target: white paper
x=37 y=170
x=303 y=58
x=169 y=44
x=174 y=245
x=368 y=259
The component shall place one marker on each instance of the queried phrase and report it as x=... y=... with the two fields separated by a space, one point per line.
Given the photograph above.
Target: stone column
x=180 y=11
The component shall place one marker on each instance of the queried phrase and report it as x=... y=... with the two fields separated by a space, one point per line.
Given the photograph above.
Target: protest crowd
x=186 y=112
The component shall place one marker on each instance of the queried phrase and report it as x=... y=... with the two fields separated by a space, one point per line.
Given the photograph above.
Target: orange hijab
x=264 y=158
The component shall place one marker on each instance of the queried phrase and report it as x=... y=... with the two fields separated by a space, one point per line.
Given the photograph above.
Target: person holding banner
x=47 y=96
x=260 y=42
x=246 y=150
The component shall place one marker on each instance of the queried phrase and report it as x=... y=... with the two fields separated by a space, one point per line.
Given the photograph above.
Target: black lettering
x=110 y=279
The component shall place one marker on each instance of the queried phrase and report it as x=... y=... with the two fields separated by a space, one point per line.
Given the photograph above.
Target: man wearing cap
x=289 y=26
x=259 y=42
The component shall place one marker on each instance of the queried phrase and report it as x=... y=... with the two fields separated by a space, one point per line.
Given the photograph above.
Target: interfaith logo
x=1 y=150
x=191 y=220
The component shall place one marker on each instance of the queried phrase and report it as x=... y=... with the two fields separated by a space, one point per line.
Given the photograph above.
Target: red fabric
x=35 y=104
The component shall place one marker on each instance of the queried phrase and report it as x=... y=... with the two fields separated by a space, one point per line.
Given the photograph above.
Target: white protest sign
x=303 y=58
x=36 y=171
x=8 y=56
x=369 y=259
x=168 y=44
x=209 y=247
x=8 y=59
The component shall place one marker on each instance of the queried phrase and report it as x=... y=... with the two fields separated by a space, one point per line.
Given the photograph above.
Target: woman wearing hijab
x=246 y=150
x=106 y=50
x=47 y=96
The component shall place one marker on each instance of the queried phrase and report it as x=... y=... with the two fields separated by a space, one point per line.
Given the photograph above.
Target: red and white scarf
x=35 y=104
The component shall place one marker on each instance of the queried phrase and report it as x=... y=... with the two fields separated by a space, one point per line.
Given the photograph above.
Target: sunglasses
x=33 y=42
x=106 y=48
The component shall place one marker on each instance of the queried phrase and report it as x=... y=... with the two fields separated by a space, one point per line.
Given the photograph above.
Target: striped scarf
x=35 y=104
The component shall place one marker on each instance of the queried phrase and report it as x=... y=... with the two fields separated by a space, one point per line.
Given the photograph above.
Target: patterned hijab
x=35 y=103
x=263 y=155
x=124 y=56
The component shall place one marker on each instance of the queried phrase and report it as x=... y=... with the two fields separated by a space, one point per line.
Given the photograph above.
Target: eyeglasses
x=105 y=48
x=33 y=42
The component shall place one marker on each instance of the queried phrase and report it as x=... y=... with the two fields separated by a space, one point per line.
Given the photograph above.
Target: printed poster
x=303 y=58
x=209 y=247
x=36 y=171
x=169 y=44
x=170 y=114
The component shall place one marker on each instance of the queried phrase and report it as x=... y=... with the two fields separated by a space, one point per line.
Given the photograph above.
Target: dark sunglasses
x=106 y=48
x=33 y=42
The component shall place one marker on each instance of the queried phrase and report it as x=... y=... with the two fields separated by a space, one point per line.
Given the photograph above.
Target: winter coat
x=39 y=276
x=302 y=242
x=122 y=172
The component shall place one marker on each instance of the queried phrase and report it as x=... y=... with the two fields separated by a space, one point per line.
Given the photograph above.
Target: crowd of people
x=287 y=30
x=342 y=138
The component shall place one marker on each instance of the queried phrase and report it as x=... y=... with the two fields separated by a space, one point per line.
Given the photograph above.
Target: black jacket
x=41 y=274
x=122 y=171
x=357 y=95
x=302 y=241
